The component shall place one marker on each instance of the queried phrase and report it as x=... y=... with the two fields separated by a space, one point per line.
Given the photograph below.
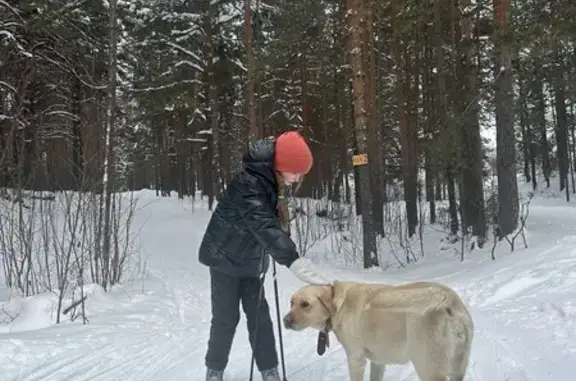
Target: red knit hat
x=292 y=154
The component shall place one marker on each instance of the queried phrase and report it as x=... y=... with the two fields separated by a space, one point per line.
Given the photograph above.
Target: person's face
x=290 y=178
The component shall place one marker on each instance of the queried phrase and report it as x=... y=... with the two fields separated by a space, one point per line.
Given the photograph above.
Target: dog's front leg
x=356 y=365
x=377 y=371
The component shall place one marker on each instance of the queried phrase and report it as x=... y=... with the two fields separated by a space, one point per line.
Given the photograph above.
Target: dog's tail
x=449 y=322
x=450 y=309
x=446 y=301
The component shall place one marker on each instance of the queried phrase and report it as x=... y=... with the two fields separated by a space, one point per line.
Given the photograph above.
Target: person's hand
x=307 y=271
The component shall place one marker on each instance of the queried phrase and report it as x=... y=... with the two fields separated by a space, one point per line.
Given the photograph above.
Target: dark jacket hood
x=259 y=159
x=244 y=229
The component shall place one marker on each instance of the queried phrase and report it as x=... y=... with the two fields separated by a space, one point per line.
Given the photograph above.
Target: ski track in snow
x=524 y=325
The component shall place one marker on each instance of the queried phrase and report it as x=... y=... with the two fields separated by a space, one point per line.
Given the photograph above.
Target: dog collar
x=323 y=336
x=328 y=327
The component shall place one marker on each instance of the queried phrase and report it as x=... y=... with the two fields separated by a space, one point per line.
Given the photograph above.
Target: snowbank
x=20 y=314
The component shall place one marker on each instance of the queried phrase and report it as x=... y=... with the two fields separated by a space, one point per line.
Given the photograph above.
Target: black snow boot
x=270 y=375
x=214 y=375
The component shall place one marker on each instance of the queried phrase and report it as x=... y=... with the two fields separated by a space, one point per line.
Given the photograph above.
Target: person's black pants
x=227 y=292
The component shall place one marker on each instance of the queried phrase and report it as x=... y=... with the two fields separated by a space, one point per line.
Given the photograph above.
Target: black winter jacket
x=245 y=227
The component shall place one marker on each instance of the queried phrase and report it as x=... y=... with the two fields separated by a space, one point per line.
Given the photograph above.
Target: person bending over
x=249 y=224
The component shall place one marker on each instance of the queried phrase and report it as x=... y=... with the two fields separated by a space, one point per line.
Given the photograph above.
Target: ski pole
x=279 y=320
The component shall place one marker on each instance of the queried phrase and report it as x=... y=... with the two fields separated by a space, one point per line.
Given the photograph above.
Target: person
x=249 y=224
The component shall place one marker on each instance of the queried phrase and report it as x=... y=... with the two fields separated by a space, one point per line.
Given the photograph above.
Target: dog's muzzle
x=288 y=321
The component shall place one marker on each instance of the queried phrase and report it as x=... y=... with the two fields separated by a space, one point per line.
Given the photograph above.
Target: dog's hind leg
x=461 y=352
x=428 y=371
x=377 y=371
x=432 y=359
x=459 y=363
x=443 y=350
x=459 y=377
x=437 y=362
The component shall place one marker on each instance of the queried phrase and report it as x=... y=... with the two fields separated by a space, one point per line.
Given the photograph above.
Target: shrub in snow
x=55 y=243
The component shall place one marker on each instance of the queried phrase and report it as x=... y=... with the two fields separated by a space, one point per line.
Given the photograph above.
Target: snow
x=187 y=52
x=32 y=313
x=523 y=304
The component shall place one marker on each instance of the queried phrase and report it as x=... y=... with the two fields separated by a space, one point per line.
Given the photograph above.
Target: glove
x=306 y=271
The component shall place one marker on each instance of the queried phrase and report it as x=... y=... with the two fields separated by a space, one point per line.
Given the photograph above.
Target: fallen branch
x=521 y=230
x=74 y=305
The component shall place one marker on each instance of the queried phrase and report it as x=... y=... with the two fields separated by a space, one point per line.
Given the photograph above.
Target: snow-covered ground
x=523 y=304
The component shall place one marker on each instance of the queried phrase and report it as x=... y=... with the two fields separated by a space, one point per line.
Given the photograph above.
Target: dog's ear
x=327 y=298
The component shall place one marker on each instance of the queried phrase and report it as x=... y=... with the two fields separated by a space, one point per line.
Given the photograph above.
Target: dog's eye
x=304 y=304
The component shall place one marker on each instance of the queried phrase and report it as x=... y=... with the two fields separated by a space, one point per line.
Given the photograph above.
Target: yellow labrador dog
x=425 y=323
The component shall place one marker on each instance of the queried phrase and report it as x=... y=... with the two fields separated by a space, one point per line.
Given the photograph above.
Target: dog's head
x=310 y=307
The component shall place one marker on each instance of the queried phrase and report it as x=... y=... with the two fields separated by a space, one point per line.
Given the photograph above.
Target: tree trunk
x=77 y=144
x=559 y=86
x=447 y=127
x=429 y=141
x=356 y=25
x=108 y=149
x=539 y=118
x=406 y=95
x=472 y=191
x=508 y=203
x=254 y=131
x=375 y=141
